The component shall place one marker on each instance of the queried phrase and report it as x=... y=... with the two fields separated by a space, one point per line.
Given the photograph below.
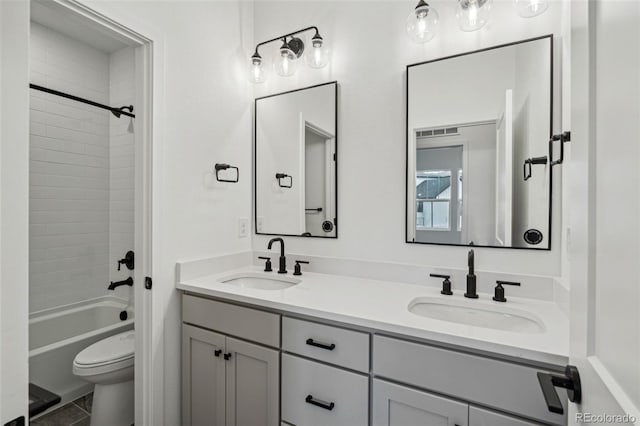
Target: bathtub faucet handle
x=127 y=261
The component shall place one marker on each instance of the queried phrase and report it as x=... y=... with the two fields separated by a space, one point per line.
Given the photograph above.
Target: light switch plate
x=243 y=227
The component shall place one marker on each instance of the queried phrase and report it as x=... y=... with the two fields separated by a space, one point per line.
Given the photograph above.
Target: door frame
x=329 y=181
x=149 y=383
x=411 y=172
x=599 y=386
x=508 y=154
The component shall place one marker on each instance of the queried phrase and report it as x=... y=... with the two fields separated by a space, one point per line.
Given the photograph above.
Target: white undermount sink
x=260 y=281
x=477 y=314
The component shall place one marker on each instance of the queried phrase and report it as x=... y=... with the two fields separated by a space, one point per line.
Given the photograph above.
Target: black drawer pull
x=326 y=405
x=217 y=352
x=227 y=357
x=330 y=347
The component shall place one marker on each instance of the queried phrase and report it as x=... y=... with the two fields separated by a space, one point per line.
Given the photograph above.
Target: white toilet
x=109 y=365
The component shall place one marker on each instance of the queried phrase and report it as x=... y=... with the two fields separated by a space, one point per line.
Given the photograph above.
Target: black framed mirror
x=478 y=130
x=295 y=162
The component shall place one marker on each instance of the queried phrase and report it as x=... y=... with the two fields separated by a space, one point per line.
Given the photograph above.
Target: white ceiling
x=54 y=16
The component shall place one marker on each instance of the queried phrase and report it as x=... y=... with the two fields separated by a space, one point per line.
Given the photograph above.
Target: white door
x=14 y=209
x=504 y=172
x=604 y=203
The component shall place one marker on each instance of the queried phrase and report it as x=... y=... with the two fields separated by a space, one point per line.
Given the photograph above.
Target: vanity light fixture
x=422 y=23
x=291 y=50
x=531 y=8
x=472 y=14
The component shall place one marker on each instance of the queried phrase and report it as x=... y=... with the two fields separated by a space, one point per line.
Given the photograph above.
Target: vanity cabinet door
x=482 y=417
x=203 y=377
x=395 y=405
x=253 y=374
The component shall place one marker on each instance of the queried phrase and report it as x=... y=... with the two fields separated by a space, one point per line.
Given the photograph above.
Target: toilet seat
x=110 y=354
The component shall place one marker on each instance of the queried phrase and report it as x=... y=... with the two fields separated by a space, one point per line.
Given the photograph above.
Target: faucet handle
x=128 y=261
x=267 y=264
x=446 y=283
x=499 y=290
x=296 y=269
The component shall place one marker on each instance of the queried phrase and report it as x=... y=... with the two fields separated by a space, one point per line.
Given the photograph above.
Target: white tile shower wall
x=121 y=180
x=370 y=50
x=69 y=172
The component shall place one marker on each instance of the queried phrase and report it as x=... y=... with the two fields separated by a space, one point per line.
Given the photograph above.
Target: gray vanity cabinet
x=395 y=405
x=227 y=381
x=244 y=366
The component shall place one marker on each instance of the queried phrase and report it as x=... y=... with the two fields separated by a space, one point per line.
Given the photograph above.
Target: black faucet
x=471 y=278
x=113 y=285
x=283 y=260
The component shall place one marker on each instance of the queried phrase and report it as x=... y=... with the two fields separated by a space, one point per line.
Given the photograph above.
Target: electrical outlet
x=243 y=227
x=260 y=223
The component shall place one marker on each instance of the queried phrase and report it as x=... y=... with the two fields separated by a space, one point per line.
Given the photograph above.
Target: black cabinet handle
x=217 y=352
x=330 y=347
x=227 y=357
x=322 y=404
x=570 y=381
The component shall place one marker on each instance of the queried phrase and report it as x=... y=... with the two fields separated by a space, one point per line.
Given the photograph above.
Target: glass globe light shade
x=318 y=55
x=286 y=62
x=531 y=8
x=422 y=23
x=473 y=14
x=257 y=72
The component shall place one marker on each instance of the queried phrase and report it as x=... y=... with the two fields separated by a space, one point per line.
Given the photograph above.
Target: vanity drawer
x=307 y=382
x=502 y=385
x=246 y=323
x=334 y=345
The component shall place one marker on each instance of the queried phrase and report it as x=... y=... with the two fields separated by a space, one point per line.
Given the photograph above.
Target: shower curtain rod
x=115 y=111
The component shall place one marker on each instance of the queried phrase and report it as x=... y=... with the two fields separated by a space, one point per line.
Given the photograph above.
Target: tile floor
x=76 y=413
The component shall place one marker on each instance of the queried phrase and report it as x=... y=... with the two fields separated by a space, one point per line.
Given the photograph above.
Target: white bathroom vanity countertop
x=383 y=306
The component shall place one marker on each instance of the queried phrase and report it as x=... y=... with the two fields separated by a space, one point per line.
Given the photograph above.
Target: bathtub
x=57 y=335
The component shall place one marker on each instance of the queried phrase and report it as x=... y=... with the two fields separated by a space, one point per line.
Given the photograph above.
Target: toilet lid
x=106 y=351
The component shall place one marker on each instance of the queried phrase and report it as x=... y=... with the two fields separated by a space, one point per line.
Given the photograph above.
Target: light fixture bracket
x=295 y=43
x=466 y=3
x=297 y=46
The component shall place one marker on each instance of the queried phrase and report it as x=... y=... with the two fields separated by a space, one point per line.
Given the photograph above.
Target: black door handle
x=570 y=381
x=326 y=405
x=330 y=347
